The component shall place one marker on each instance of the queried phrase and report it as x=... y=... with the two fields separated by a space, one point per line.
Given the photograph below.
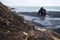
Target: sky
x=31 y=2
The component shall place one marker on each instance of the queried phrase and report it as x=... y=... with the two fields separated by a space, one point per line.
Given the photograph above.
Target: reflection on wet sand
x=47 y=21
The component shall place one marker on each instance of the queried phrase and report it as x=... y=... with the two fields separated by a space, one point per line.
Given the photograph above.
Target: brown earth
x=14 y=27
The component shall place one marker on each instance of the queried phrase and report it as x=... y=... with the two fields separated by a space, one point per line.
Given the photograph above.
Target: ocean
x=34 y=8
x=50 y=22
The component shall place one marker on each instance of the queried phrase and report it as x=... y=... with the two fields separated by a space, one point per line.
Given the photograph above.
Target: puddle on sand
x=50 y=22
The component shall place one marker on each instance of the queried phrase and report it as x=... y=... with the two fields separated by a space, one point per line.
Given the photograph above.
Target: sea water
x=49 y=21
x=35 y=8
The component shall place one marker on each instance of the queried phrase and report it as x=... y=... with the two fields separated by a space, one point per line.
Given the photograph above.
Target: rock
x=14 y=27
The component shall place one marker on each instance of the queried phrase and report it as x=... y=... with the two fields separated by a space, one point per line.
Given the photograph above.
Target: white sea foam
x=50 y=22
x=34 y=8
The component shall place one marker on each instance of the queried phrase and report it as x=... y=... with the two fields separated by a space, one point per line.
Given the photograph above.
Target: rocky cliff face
x=14 y=27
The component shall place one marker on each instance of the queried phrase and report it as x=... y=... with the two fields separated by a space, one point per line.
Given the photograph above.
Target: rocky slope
x=14 y=27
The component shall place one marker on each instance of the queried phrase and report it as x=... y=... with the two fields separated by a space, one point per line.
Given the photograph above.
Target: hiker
x=42 y=12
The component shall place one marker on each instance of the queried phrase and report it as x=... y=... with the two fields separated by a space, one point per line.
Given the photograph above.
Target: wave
x=35 y=9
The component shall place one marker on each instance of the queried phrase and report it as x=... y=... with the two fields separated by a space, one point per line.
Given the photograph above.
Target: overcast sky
x=31 y=2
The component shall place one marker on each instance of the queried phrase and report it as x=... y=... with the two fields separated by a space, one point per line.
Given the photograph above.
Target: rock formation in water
x=14 y=27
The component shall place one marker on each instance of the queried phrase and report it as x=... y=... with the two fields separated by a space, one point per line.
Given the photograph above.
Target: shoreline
x=53 y=14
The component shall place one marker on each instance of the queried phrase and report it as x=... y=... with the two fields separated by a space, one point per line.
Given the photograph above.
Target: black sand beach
x=52 y=14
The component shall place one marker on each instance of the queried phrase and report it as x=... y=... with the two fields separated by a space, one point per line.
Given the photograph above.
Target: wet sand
x=52 y=14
